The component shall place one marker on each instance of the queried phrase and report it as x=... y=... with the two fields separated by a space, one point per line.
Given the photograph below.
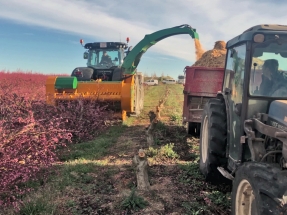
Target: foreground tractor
x=110 y=75
x=244 y=128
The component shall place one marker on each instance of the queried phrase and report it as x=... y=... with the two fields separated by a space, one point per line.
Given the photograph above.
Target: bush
x=31 y=131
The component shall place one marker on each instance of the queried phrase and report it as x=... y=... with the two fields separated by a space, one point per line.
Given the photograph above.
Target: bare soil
x=177 y=186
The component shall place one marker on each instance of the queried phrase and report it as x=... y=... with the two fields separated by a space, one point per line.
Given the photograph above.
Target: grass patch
x=74 y=179
x=210 y=198
x=152 y=96
x=129 y=121
x=93 y=149
x=133 y=202
x=164 y=153
x=160 y=126
x=38 y=206
x=191 y=174
x=220 y=199
x=174 y=103
x=194 y=208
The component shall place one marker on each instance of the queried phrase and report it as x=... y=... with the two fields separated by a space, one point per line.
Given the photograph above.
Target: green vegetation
x=163 y=153
x=38 y=206
x=96 y=148
x=133 y=202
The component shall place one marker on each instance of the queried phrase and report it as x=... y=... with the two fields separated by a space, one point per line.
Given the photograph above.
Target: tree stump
x=140 y=160
x=150 y=128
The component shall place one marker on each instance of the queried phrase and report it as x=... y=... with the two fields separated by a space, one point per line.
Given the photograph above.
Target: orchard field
x=63 y=160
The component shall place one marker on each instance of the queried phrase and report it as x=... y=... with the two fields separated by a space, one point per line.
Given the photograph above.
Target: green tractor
x=243 y=136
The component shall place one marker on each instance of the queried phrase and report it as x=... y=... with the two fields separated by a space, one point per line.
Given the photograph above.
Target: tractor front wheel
x=257 y=188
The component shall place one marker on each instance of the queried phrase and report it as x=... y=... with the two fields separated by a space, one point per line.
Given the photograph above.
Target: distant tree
x=154 y=75
x=169 y=77
x=162 y=76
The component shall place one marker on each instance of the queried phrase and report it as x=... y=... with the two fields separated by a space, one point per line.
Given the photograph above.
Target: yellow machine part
x=122 y=91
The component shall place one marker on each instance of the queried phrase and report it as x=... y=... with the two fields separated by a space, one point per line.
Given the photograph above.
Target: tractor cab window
x=104 y=58
x=234 y=80
x=269 y=69
x=234 y=73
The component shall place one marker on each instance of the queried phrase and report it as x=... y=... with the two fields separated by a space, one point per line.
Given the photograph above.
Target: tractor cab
x=105 y=55
x=104 y=61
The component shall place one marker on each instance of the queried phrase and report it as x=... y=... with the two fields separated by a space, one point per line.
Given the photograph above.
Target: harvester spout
x=133 y=58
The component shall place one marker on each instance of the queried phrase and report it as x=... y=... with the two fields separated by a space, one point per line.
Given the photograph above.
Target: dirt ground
x=176 y=184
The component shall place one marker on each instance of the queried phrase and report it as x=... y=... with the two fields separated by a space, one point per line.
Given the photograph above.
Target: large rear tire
x=255 y=189
x=213 y=138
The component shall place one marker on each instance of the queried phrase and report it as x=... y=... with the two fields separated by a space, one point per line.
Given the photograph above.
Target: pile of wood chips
x=213 y=58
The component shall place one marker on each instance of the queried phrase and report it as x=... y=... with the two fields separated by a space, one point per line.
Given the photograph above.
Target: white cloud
x=107 y=20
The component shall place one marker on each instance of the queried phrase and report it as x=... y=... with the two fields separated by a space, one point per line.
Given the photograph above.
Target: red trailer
x=201 y=84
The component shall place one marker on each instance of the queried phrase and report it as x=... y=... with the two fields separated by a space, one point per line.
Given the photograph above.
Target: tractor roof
x=249 y=33
x=106 y=45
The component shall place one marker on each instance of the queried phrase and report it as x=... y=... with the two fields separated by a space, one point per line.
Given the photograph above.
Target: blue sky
x=43 y=35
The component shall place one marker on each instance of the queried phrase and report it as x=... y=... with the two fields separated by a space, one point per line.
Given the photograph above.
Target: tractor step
x=225 y=173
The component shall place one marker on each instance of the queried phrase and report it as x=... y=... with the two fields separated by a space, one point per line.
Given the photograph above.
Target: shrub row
x=31 y=131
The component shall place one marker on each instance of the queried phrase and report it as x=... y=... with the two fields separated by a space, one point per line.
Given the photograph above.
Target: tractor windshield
x=269 y=69
x=104 y=58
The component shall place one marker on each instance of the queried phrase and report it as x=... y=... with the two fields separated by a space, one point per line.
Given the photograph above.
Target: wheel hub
x=245 y=199
x=204 y=145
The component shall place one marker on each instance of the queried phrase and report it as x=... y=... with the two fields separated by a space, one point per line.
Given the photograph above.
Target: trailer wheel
x=256 y=188
x=213 y=141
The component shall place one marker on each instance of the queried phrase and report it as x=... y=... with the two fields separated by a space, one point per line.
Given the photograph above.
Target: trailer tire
x=262 y=181
x=213 y=138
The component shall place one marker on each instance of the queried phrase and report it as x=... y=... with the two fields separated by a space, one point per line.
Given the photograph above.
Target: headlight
x=258 y=38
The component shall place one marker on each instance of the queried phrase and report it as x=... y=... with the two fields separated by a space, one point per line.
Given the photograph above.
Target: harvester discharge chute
x=111 y=78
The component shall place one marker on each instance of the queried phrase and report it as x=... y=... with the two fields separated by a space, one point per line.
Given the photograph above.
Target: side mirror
x=86 y=55
x=227 y=91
